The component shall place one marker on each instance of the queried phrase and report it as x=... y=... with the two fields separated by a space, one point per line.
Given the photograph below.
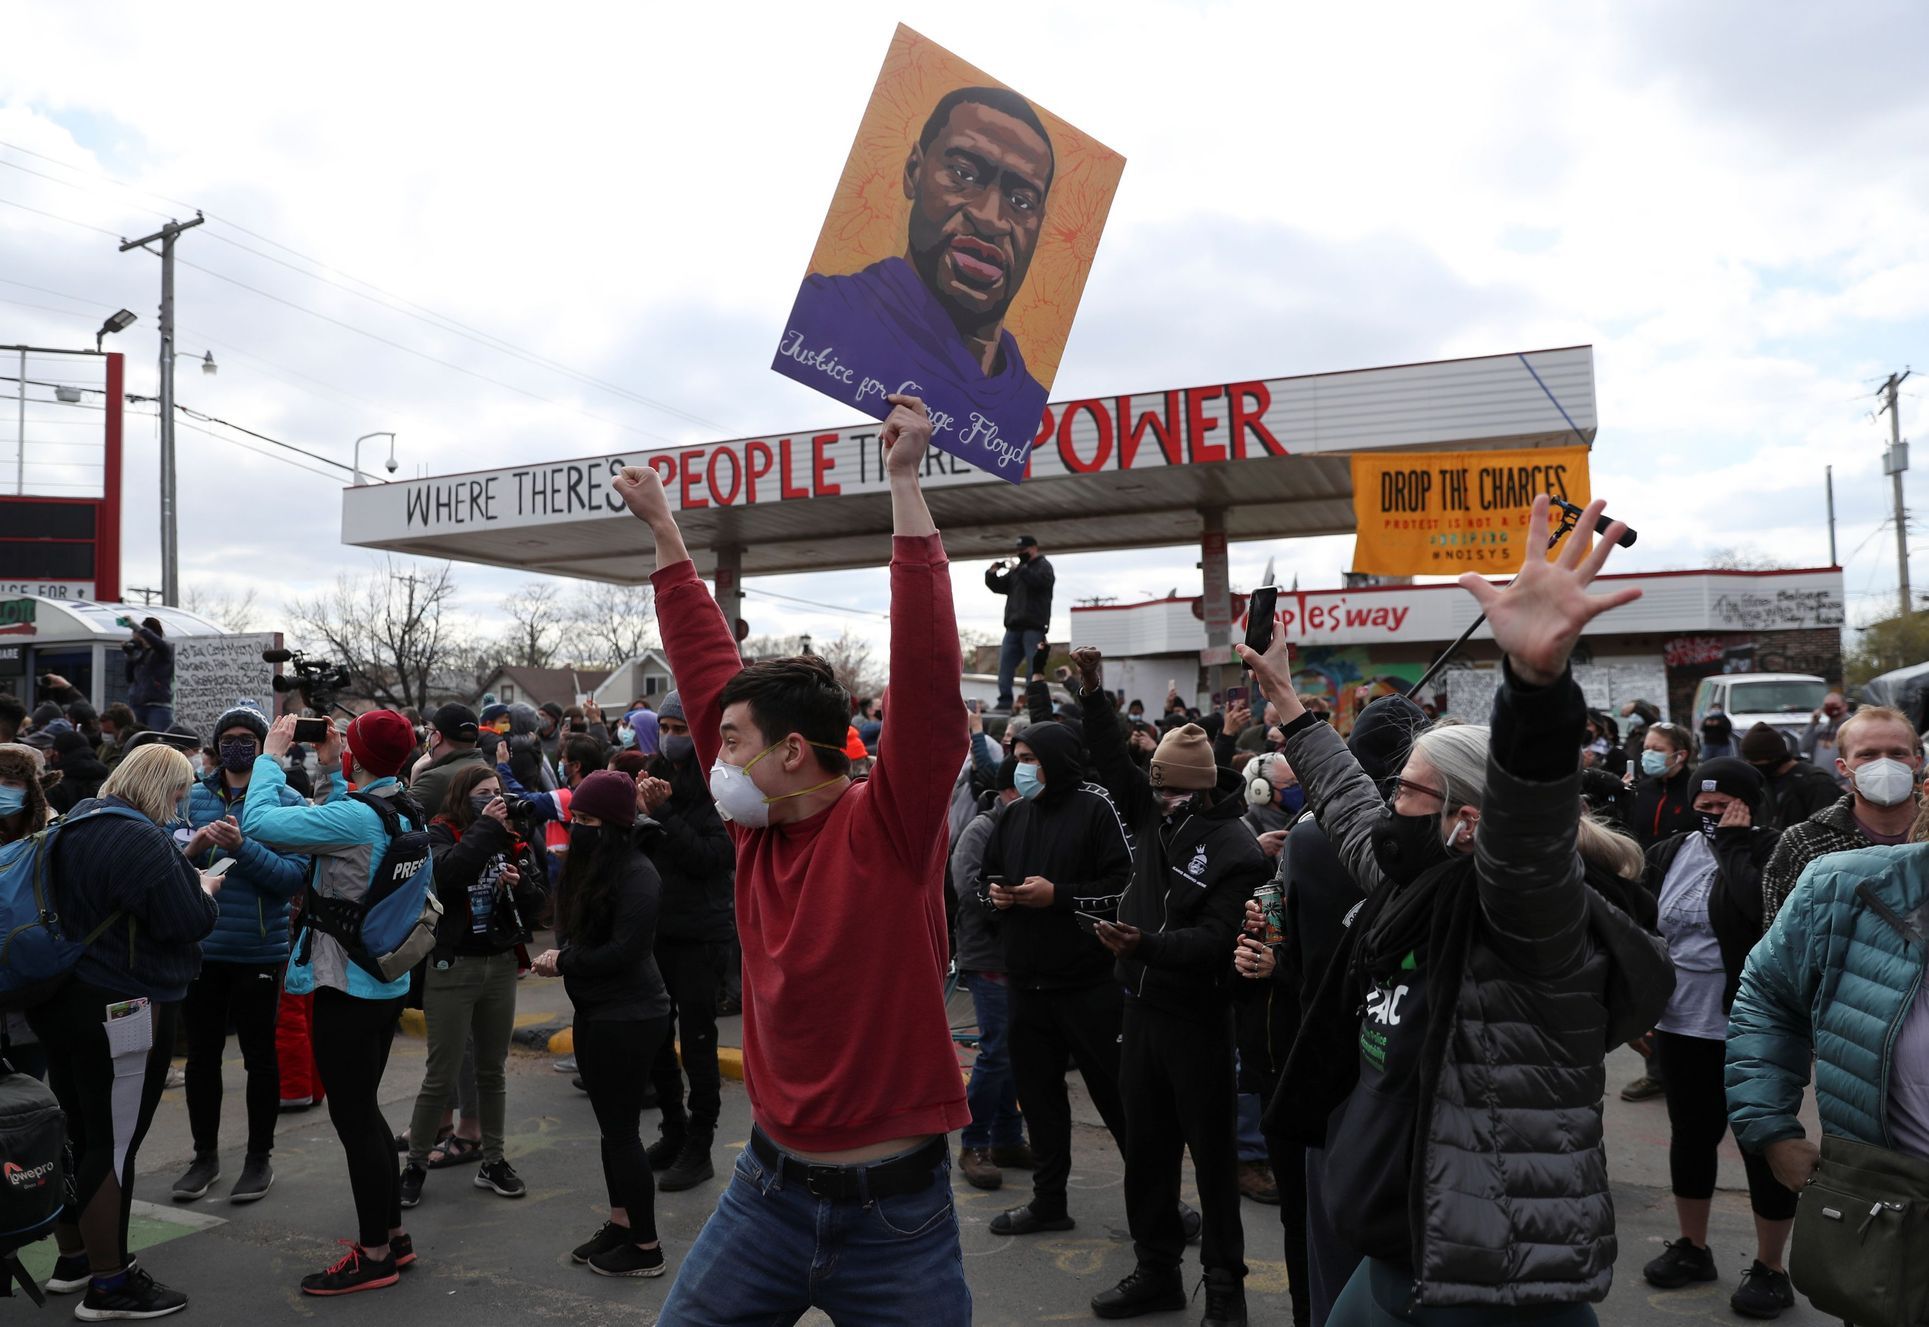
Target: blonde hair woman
x=122 y=883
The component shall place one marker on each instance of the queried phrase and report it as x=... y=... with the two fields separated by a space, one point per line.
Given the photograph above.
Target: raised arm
x=1105 y=738
x=701 y=649
x=917 y=753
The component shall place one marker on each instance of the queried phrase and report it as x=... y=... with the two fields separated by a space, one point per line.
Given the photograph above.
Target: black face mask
x=1709 y=824
x=584 y=839
x=1405 y=846
x=479 y=802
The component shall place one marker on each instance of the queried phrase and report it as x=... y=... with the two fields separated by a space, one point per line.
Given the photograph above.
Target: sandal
x=402 y=1139
x=453 y=1151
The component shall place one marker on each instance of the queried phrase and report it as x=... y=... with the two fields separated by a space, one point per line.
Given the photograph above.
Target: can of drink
x=1272 y=911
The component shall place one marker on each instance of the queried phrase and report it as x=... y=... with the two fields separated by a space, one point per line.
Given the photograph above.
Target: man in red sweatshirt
x=842 y=1200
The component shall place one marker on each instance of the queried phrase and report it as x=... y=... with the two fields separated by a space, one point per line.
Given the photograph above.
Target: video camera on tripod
x=318 y=680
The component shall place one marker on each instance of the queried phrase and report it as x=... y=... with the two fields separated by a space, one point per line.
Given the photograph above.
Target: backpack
x=390 y=928
x=33 y=1182
x=35 y=953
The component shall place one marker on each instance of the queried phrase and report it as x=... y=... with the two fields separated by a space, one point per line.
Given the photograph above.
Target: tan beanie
x=1184 y=760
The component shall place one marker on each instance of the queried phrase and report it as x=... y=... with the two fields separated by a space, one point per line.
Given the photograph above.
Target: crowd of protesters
x=1370 y=979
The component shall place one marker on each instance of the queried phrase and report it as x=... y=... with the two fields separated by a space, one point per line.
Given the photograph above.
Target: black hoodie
x=1072 y=835
x=1191 y=877
x=81 y=775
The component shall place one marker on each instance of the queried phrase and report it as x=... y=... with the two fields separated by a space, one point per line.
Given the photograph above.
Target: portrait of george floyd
x=954 y=256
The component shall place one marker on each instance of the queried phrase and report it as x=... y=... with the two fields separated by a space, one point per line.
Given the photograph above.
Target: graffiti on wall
x=1771 y=610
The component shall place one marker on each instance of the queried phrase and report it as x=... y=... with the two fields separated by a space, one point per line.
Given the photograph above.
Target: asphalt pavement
x=486 y=1259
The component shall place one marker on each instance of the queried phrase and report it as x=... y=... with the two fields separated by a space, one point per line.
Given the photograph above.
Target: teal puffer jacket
x=1835 y=977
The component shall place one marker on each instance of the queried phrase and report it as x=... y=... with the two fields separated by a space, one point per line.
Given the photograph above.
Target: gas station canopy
x=1259 y=459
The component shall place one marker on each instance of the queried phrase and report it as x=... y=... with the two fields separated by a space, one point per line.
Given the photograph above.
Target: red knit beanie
x=607 y=795
x=381 y=742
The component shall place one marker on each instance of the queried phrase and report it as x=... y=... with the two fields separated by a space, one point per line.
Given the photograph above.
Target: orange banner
x=1442 y=513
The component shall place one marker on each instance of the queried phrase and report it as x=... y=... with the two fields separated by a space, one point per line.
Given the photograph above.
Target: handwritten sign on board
x=213 y=674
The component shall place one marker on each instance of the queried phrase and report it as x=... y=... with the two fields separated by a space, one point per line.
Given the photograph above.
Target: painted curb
x=551 y=1039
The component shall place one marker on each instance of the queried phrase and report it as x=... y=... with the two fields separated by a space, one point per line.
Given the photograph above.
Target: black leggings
x=80 y=1070
x=248 y=992
x=1698 y=1117
x=615 y=1058
x=694 y=974
x=352 y=1040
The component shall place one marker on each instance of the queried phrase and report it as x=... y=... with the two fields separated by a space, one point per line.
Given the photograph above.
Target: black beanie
x=1733 y=776
x=1763 y=745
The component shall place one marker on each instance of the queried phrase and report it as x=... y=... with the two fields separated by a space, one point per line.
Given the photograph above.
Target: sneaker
x=628 y=1259
x=413 y=1178
x=256 y=1176
x=693 y=1166
x=1256 y=1182
x=665 y=1150
x=69 y=1275
x=177 y=1077
x=402 y=1249
x=1764 y=1292
x=602 y=1241
x=1190 y=1222
x=979 y=1170
x=295 y=1104
x=135 y=1294
x=564 y=1064
x=1144 y=1290
x=1643 y=1088
x=578 y=1083
x=1024 y=1221
x=1225 y=1299
x=1680 y=1263
x=502 y=1177
x=198 y=1178
x=355 y=1271
x=1016 y=1157
x=729 y=1007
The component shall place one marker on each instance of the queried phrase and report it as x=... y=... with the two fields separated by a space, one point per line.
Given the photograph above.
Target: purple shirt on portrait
x=881 y=331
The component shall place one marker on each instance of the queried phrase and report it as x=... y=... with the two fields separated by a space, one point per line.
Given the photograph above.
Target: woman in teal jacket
x=1838 y=976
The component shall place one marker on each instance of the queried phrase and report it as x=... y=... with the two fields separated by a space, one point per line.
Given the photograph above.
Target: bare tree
x=389 y=629
x=1744 y=559
x=612 y=624
x=235 y=612
x=851 y=658
x=536 y=622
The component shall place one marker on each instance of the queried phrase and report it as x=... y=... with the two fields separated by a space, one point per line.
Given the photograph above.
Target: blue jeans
x=993 y=1092
x=154 y=718
x=771 y=1252
x=1252 y=1144
x=1020 y=644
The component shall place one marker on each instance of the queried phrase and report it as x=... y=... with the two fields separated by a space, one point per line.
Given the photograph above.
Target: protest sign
x=1442 y=513
x=953 y=257
x=213 y=674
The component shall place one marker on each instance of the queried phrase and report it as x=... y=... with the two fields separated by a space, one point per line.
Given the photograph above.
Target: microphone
x=277 y=656
x=1574 y=513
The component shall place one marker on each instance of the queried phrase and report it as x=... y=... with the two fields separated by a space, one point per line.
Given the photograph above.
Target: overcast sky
x=1729 y=201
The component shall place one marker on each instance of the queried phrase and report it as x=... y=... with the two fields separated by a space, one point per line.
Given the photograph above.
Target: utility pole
x=170 y=532
x=1893 y=465
x=1828 y=473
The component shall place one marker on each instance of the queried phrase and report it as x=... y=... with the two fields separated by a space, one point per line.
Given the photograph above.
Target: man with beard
x=932 y=321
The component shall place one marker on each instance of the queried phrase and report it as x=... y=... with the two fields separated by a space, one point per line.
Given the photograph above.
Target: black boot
x=663 y=1153
x=1144 y=1290
x=692 y=1166
x=1225 y=1299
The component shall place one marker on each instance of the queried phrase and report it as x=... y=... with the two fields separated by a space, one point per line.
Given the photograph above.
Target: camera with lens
x=318 y=680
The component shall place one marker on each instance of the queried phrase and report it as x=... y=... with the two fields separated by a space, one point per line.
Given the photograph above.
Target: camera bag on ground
x=32 y=1184
x=36 y=953
x=390 y=928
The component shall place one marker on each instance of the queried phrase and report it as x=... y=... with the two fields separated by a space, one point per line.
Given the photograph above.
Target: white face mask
x=1885 y=782
x=739 y=798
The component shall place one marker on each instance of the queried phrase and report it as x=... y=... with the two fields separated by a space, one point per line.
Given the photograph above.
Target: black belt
x=911 y=1173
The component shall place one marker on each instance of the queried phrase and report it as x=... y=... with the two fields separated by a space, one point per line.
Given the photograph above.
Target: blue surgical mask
x=1025 y=778
x=12 y=800
x=1654 y=763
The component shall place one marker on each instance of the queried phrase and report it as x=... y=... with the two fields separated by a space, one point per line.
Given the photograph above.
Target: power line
x=385 y=298
x=55 y=216
x=812 y=603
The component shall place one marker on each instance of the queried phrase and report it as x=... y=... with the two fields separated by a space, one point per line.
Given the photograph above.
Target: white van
x=1784 y=701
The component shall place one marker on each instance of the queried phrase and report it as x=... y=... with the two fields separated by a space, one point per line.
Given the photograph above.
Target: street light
x=390 y=463
x=117 y=322
x=208 y=366
x=804 y=643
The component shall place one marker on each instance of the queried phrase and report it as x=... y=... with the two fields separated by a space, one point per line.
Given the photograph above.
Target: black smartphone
x=578 y=726
x=1260 y=612
x=311 y=731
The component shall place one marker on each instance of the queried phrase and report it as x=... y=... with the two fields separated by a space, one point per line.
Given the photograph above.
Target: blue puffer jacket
x=253 y=925
x=1835 y=977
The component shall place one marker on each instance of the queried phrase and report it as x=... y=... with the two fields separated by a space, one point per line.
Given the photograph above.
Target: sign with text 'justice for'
x=953 y=258
x=1442 y=513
